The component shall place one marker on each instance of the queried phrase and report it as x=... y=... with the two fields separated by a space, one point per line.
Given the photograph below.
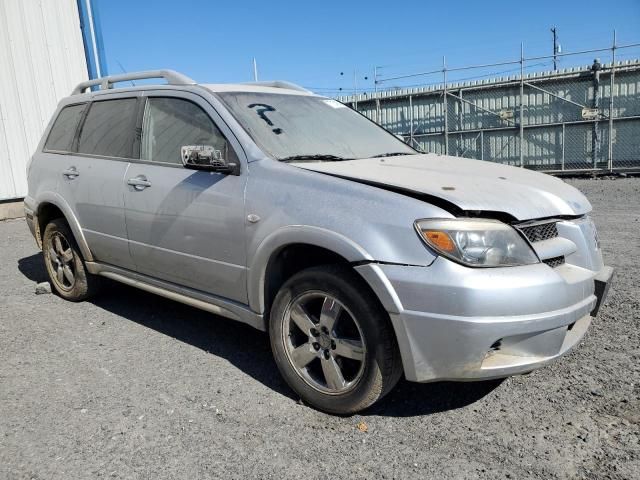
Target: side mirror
x=206 y=157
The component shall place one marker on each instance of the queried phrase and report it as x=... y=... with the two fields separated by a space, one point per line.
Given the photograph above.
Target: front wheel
x=333 y=341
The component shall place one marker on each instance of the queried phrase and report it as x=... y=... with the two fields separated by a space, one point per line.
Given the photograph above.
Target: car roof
x=254 y=88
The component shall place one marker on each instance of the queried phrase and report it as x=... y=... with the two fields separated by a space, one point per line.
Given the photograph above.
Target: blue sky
x=311 y=43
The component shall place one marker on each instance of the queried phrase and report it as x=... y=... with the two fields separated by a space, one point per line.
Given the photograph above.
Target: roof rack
x=280 y=84
x=172 y=77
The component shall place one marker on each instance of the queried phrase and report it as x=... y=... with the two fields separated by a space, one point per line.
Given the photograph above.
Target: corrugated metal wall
x=41 y=59
x=482 y=119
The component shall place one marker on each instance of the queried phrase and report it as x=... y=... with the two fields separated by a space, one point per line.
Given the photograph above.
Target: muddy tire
x=67 y=272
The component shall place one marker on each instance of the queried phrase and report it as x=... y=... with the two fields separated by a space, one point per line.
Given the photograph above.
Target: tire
x=67 y=272
x=333 y=341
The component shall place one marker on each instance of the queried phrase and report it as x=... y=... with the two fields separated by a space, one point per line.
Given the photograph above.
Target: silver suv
x=363 y=259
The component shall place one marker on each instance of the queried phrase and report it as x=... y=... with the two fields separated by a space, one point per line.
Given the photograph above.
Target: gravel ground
x=131 y=385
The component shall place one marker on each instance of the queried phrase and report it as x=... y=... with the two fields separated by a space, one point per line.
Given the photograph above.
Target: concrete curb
x=11 y=209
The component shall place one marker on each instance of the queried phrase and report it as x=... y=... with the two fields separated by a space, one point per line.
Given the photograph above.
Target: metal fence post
x=596 y=137
x=521 y=104
x=460 y=126
x=563 y=139
x=445 y=109
x=411 y=120
x=375 y=93
x=613 y=76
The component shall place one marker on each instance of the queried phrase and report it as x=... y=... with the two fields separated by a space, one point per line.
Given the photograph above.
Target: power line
x=550 y=59
x=423 y=84
x=508 y=62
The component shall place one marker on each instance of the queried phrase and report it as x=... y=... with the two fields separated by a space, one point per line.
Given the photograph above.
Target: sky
x=324 y=44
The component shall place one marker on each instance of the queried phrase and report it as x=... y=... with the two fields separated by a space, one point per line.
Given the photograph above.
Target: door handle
x=71 y=173
x=139 y=183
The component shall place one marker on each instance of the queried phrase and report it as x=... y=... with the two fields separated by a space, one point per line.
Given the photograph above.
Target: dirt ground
x=131 y=385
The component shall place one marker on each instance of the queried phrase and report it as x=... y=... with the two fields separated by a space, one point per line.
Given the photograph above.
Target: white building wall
x=41 y=60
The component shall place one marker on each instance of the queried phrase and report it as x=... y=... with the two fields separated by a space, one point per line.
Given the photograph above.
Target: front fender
x=58 y=201
x=289 y=235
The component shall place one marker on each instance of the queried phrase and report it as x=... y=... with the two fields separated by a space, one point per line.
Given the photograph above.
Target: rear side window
x=108 y=128
x=64 y=128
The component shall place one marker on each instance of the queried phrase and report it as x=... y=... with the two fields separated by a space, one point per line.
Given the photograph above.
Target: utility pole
x=355 y=89
x=375 y=79
x=555 y=47
x=255 y=70
x=375 y=90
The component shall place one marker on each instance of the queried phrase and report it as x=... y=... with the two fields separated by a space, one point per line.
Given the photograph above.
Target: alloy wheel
x=324 y=343
x=61 y=261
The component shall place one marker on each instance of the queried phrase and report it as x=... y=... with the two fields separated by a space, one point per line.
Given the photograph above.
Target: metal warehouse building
x=46 y=48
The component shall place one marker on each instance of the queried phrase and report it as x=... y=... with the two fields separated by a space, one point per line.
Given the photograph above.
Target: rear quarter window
x=64 y=128
x=108 y=129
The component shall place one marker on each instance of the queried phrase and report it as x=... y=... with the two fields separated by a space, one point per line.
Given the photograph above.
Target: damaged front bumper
x=602 y=282
x=457 y=323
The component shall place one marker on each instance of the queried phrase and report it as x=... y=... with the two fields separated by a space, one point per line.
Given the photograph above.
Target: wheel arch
x=320 y=246
x=51 y=205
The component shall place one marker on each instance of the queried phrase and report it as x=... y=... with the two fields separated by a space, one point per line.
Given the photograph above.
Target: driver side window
x=171 y=123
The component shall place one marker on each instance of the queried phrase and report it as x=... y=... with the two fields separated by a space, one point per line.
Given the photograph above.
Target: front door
x=186 y=226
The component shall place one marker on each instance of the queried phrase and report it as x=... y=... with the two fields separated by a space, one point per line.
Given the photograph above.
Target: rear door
x=186 y=226
x=91 y=175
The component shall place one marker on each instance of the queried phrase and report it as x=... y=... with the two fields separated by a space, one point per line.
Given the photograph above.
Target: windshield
x=300 y=127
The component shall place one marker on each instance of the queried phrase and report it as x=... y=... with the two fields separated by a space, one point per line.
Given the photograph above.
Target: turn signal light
x=440 y=239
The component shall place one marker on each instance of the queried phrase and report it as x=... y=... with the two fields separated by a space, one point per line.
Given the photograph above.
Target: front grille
x=554 y=262
x=540 y=231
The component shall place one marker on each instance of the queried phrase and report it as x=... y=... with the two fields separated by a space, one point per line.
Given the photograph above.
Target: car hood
x=470 y=185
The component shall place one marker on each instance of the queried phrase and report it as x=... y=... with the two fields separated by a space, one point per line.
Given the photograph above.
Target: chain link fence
x=578 y=119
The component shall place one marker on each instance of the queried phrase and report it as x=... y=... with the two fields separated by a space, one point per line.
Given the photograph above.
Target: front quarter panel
x=358 y=222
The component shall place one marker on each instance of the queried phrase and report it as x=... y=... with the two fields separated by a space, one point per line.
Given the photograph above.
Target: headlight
x=476 y=242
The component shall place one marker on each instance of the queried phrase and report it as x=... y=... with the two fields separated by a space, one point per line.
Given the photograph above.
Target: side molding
x=188 y=296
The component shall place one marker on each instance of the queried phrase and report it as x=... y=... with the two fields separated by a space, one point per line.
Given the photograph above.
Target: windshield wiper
x=393 y=154
x=314 y=157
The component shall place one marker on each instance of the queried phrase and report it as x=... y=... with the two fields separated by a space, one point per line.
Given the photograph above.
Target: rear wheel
x=332 y=340
x=64 y=263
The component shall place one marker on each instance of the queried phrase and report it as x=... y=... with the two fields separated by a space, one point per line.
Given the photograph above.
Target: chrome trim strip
x=534 y=223
x=554 y=247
